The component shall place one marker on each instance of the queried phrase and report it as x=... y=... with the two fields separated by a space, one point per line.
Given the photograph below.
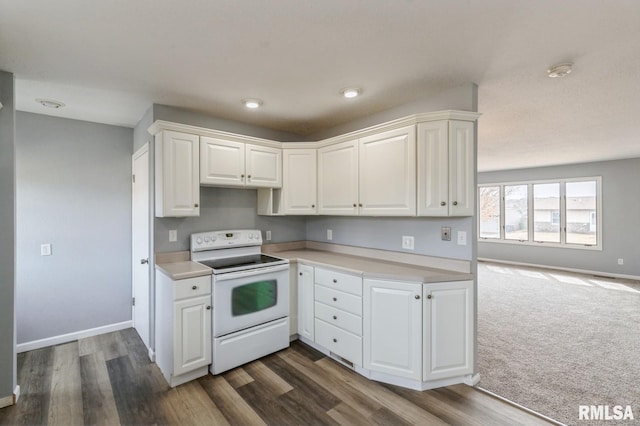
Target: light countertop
x=183 y=269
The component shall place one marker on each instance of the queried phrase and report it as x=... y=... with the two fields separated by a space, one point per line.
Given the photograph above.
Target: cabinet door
x=299 y=181
x=338 y=179
x=387 y=173
x=433 y=168
x=221 y=162
x=448 y=328
x=461 y=168
x=392 y=323
x=192 y=334
x=305 y=302
x=177 y=165
x=263 y=166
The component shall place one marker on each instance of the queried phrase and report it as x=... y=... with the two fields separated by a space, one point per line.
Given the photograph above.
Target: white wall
x=73 y=191
x=620 y=216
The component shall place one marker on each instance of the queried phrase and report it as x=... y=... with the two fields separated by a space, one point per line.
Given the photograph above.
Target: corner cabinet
x=183 y=328
x=446 y=168
x=176 y=174
x=299 y=177
x=230 y=163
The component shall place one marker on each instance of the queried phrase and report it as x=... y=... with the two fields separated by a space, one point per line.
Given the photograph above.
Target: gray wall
x=7 y=236
x=73 y=191
x=620 y=215
x=140 y=134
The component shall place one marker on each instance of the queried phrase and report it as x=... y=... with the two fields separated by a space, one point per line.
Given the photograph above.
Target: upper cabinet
x=299 y=176
x=338 y=179
x=176 y=169
x=231 y=163
x=387 y=173
x=446 y=168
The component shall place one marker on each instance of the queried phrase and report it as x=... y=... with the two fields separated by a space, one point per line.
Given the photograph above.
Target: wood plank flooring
x=109 y=380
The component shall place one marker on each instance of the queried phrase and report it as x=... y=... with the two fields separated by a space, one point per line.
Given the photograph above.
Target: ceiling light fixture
x=252 y=103
x=50 y=103
x=351 y=92
x=560 y=70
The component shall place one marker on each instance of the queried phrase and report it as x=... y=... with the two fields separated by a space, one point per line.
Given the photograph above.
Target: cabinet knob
x=335 y=281
x=313 y=206
x=335 y=299
x=242 y=176
x=442 y=203
x=360 y=205
x=144 y=261
x=195 y=205
x=429 y=297
x=335 y=317
x=249 y=177
x=335 y=340
x=195 y=287
x=300 y=273
x=417 y=296
x=209 y=308
x=455 y=203
x=355 y=205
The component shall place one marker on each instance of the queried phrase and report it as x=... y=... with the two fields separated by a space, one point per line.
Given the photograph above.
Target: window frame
x=530 y=214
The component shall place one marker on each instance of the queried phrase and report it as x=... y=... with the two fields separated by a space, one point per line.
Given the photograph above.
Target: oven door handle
x=251 y=272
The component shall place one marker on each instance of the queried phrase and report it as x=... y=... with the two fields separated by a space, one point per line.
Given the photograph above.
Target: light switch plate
x=462 y=238
x=445 y=233
x=45 y=249
x=329 y=234
x=407 y=242
x=267 y=235
x=173 y=235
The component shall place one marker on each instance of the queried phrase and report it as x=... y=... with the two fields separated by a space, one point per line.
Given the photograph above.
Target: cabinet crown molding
x=160 y=125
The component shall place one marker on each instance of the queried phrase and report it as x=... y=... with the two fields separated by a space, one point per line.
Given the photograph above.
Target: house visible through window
x=564 y=212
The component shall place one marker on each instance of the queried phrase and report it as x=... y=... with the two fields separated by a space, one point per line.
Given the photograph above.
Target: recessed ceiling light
x=50 y=103
x=252 y=103
x=351 y=92
x=560 y=70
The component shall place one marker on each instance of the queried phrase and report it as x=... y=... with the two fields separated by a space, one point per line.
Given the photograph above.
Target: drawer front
x=340 y=342
x=339 y=318
x=192 y=287
x=340 y=281
x=337 y=299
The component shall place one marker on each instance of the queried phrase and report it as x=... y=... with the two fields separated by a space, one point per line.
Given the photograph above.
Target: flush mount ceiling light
x=252 y=103
x=351 y=92
x=50 y=103
x=560 y=70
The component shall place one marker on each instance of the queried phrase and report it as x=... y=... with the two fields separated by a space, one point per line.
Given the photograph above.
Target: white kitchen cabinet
x=183 y=327
x=338 y=179
x=176 y=174
x=306 y=302
x=392 y=325
x=448 y=330
x=299 y=181
x=446 y=168
x=229 y=163
x=387 y=173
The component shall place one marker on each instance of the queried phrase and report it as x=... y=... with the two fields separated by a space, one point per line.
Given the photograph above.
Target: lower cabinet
x=183 y=328
x=305 y=302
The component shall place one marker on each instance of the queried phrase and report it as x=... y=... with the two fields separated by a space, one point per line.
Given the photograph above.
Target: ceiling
x=108 y=61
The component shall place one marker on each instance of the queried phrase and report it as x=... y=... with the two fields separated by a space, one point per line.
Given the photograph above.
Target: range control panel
x=213 y=240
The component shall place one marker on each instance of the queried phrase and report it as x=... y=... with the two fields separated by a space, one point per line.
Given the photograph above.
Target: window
x=563 y=212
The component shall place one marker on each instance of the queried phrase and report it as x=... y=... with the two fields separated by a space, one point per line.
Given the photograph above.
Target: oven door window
x=253 y=297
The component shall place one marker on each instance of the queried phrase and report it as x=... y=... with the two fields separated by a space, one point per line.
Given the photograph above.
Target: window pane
x=546 y=212
x=581 y=212
x=489 y=202
x=516 y=212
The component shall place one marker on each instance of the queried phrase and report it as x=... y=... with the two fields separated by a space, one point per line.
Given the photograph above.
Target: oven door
x=246 y=298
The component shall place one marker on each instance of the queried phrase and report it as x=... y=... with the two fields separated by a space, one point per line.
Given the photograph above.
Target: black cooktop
x=242 y=262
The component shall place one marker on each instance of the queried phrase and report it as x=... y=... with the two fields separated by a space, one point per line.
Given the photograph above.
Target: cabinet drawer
x=338 y=280
x=191 y=287
x=340 y=342
x=339 y=318
x=338 y=299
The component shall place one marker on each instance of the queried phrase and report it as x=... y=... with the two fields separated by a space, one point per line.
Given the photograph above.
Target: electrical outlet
x=620 y=261
x=329 y=234
x=462 y=238
x=173 y=235
x=407 y=242
x=445 y=233
x=45 y=249
x=268 y=235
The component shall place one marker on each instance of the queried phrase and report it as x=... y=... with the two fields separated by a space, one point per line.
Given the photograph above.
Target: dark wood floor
x=108 y=380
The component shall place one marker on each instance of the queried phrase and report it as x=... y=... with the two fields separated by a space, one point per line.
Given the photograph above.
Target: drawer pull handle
x=195 y=287
x=335 y=299
x=335 y=340
x=335 y=281
x=335 y=317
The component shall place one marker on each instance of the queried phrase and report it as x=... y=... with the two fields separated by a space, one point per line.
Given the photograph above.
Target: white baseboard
x=152 y=355
x=70 y=337
x=560 y=268
x=16 y=394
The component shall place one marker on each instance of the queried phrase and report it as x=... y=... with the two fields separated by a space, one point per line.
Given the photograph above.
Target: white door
x=448 y=329
x=387 y=173
x=433 y=168
x=299 y=181
x=305 y=302
x=221 y=162
x=338 y=179
x=263 y=166
x=140 y=243
x=192 y=338
x=392 y=325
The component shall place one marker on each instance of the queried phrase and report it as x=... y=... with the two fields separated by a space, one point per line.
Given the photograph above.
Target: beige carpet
x=552 y=341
